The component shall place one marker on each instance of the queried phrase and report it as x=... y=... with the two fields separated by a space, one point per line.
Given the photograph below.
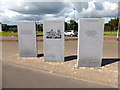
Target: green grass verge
x=107 y=33
x=8 y=34
x=40 y=34
x=15 y=34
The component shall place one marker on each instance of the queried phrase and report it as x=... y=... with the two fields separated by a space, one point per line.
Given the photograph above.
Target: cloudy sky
x=12 y=11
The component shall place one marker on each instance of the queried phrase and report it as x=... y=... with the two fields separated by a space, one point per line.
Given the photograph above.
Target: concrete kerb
x=67 y=39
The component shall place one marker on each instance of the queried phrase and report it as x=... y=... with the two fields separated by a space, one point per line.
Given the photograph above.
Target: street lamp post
x=74 y=19
x=74 y=13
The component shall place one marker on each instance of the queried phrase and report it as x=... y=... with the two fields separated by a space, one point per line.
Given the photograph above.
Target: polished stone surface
x=27 y=39
x=90 y=42
x=54 y=40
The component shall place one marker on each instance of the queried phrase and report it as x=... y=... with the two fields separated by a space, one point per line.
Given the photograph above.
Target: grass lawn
x=40 y=34
x=15 y=34
x=8 y=34
x=107 y=33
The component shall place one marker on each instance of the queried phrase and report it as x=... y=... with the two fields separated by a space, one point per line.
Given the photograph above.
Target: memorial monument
x=90 y=42
x=53 y=40
x=27 y=39
x=0 y=27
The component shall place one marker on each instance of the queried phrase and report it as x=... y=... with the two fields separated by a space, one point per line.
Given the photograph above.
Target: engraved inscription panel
x=54 y=40
x=90 y=42
x=53 y=34
x=91 y=33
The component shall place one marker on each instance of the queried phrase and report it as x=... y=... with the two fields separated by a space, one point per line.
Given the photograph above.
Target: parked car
x=70 y=33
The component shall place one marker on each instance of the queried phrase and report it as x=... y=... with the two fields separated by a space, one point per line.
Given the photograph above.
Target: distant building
x=0 y=27
x=4 y=28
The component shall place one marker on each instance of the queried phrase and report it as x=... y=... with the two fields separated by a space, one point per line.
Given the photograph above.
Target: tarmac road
x=20 y=77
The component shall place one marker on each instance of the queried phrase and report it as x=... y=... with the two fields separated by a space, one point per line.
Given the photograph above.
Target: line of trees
x=72 y=25
x=68 y=26
x=112 y=25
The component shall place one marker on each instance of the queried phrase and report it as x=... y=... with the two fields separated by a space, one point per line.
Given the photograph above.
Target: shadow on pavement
x=69 y=58
x=40 y=55
x=107 y=61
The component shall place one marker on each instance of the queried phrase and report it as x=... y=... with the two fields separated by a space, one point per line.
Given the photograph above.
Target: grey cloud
x=80 y=5
x=119 y=9
x=111 y=1
x=29 y=18
x=36 y=8
x=99 y=14
x=36 y=11
x=98 y=6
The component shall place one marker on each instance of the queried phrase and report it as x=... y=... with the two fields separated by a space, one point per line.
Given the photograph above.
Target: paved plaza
x=107 y=74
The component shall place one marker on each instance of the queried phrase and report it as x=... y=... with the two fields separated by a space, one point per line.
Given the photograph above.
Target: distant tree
x=11 y=29
x=112 y=25
x=72 y=25
x=39 y=27
x=14 y=30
